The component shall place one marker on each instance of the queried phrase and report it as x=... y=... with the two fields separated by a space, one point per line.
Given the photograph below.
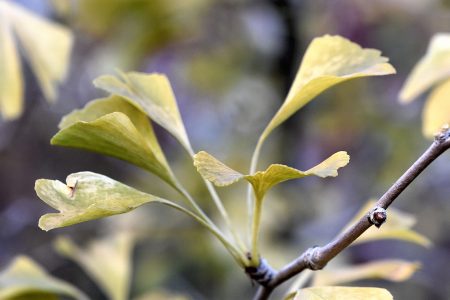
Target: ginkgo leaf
x=46 y=46
x=220 y=174
x=397 y=226
x=107 y=261
x=87 y=196
x=11 y=89
x=433 y=67
x=329 y=60
x=114 y=127
x=340 y=292
x=24 y=279
x=436 y=112
x=214 y=170
x=389 y=269
x=153 y=94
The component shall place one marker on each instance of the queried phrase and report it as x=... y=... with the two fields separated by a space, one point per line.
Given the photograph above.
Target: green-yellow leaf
x=432 y=68
x=114 y=127
x=398 y=227
x=11 y=89
x=329 y=60
x=24 y=279
x=87 y=196
x=153 y=94
x=220 y=174
x=214 y=170
x=340 y=293
x=389 y=269
x=47 y=46
x=107 y=261
x=436 y=112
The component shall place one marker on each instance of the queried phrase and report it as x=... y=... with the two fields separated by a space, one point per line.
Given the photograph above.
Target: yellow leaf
x=389 y=269
x=24 y=279
x=436 y=112
x=341 y=293
x=433 y=67
x=114 y=127
x=151 y=93
x=214 y=170
x=11 y=89
x=87 y=196
x=47 y=46
x=329 y=60
x=217 y=172
x=107 y=260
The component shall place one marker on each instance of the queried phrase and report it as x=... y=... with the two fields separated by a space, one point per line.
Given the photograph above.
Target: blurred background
x=231 y=63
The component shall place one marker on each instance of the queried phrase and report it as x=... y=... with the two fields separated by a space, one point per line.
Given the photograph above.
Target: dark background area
x=231 y=63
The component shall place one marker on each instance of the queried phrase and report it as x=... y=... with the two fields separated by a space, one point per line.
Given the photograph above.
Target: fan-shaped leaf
x=24 y=279
x=11 y=89
x=328 y=60
x=114 y=127
x=214 y=170
x=108 y=261
x=220 y=174
x=339 y=293
x=87 y=196
x=433 y=67
x=153 y=94
x=389 y=269
x=436 y=112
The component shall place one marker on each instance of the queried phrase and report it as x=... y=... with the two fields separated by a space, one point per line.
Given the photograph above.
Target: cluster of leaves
x=47 y=47
x=120 y=125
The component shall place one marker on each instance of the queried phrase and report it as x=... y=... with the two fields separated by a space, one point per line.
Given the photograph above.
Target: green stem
x=253 y=166
x=221 y=208
x=237 y=255
x=256 y=221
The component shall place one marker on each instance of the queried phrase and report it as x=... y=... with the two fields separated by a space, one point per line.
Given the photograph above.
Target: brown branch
x=316 y=258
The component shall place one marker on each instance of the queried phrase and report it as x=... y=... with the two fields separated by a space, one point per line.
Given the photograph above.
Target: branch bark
x=316 y=258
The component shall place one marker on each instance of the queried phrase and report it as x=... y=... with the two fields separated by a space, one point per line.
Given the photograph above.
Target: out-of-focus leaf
x=392 y=270
x=328 y=60
x=107 y=261
x=433 y=67
x=398 y=227
x=87 y=196
x=436 y=112
x=161 y=295
x=47 y=47
x=220 y=174
x=114 y=127
x=24 y=279
x=340 y=292
x=153 y=94
x=11 y=86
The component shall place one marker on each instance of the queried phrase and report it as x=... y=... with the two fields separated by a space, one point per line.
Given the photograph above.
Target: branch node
x=443 y=134
x=377 y=216
x=313 y=260
x=262 y=274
